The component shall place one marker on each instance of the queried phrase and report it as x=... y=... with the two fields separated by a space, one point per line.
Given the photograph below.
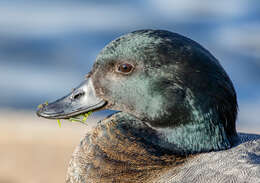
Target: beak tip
x=49 y=111
x=42 y=111
x=39 y=112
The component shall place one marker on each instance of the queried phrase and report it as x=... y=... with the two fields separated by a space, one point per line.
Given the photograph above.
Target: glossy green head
x=167 y=81
x=175 y=84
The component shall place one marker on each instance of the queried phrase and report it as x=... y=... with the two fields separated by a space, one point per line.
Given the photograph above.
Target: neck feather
x=120 y=149
x=124 y=149
x=192 y=138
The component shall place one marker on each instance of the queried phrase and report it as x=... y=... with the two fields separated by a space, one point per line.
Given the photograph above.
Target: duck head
x=167 y=81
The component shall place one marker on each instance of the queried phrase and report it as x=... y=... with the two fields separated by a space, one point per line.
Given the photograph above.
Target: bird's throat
x=118 y=150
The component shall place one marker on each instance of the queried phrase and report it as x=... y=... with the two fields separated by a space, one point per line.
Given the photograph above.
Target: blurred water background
x=46 y=47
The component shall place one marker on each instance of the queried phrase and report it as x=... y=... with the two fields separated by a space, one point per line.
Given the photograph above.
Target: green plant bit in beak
x=58 y=120
x=42 y=105
x=82 y=118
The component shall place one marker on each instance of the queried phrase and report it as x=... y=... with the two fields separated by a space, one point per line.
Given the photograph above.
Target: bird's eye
x=125 y=68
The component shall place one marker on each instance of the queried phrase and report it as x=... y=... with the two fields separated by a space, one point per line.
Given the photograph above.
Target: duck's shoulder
x=238 y=164
x=110 y=154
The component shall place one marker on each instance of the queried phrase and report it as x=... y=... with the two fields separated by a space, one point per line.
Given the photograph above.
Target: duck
x=175 y=118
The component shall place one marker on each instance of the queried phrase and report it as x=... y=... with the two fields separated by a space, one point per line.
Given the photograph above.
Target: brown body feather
x=108 y=154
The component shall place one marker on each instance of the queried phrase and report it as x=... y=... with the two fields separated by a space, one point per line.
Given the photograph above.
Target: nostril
x=77 y=95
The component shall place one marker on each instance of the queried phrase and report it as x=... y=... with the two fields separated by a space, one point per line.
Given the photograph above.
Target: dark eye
x=125 y=68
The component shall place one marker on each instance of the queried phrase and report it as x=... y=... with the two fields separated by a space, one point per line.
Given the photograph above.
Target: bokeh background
x=46 y=48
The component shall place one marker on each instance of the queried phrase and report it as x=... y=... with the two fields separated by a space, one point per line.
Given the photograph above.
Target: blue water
x=46 y=47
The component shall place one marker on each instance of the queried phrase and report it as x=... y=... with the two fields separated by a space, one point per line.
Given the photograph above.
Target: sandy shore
x=36 y=150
